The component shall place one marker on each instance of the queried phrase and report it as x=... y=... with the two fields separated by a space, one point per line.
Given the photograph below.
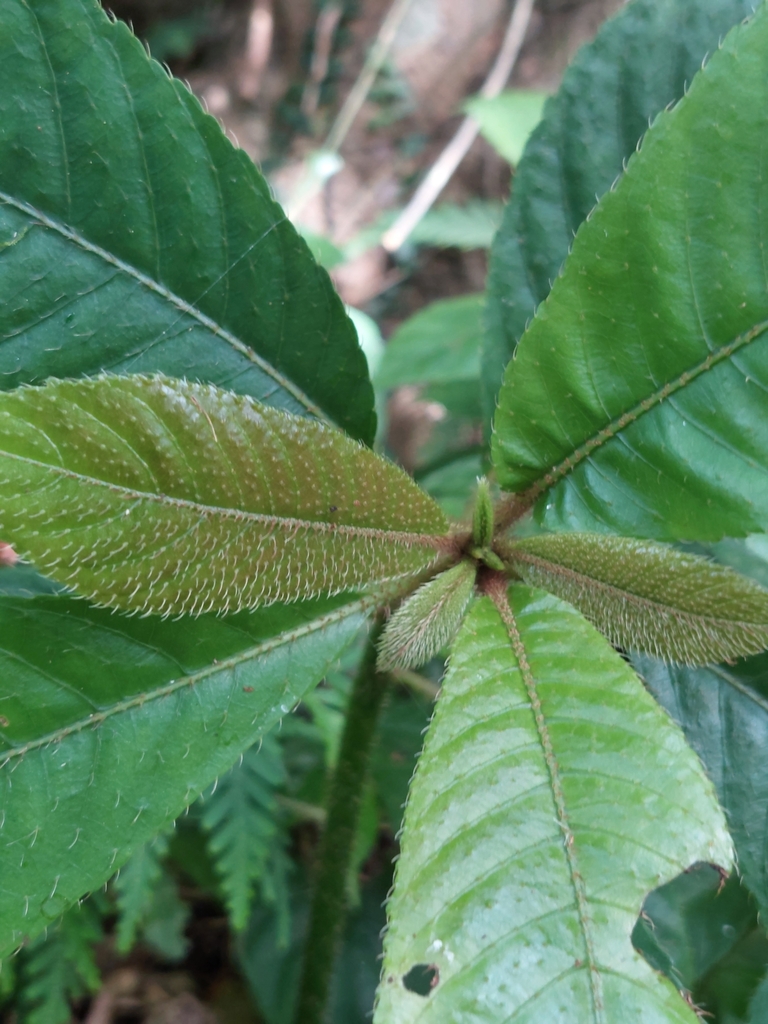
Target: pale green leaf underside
x=637 y=398
x=649 y=597
x=134 y=237
x=539 y=818
x=112 y=725
x=161 y=496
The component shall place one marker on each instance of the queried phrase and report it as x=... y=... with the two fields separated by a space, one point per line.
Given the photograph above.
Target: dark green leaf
x=111 y=726
x=134 y=237
x=608 y=96
x=636 y=400
x=552 y=794
x=153 y=495
x=724 y=714
x=650 y=597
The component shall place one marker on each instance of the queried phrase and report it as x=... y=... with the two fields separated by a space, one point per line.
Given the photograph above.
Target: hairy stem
x=329 y=900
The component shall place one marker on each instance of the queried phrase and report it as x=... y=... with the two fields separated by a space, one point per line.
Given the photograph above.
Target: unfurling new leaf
x=648 y=597
x=157 y=495
x=427 y=620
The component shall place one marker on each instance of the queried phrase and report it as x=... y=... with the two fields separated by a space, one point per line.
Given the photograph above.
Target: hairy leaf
x=241 y=817
x=112 y=725
x=636 y=401
x=724 y=713
x=427 y=620
x=552 y=794
x=135 y=237
x=607 y=99
x=160 y=496
x=649 y=597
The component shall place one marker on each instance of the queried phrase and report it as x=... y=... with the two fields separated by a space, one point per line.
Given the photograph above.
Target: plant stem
x=329 y=898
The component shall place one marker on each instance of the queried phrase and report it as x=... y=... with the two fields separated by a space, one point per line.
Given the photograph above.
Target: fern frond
x=60 y=966
x=649 y=597
x=245 y=835
x=135 y=889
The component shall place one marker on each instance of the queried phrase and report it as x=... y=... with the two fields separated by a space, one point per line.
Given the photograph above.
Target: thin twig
x=370 y=69
x=325 y=29
x=443 y=168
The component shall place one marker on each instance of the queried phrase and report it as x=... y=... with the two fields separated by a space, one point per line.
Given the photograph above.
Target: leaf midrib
x=139 y=699
x=176 y=301
x=286 y=522
x=627 y=595
x=553 y=476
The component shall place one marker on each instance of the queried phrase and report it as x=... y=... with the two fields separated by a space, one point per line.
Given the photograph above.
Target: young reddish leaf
x=155 y=495
x=427 y=620
x=649 y=597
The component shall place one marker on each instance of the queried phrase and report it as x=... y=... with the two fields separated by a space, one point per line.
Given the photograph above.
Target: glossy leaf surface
x=134 y=237
x=724 y=713
x=637 y=398
x=553 y=793
x=650 y=597
x=111 y=726
x=608 y=96
x=148 y=494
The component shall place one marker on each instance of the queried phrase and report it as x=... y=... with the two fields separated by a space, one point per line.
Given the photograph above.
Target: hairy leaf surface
x=607 y=98
x=723 y=711
x=111 y=725
x=427 y=620
x=553 y=793
x=649 y=597
x=135 y=237
x=154 y=495
x=636 y=400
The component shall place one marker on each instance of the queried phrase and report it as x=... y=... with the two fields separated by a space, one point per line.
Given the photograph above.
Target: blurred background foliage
x=205 y=924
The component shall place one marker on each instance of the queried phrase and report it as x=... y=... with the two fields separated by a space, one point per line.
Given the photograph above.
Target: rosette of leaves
x=553 y=793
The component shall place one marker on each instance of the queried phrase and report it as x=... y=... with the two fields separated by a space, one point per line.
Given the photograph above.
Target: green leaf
x=448 y=225
x=159 y=496
x=136 y=238
x=507 y=120
x=553 y=793
x=723 y=712
x=758 y=1008
x=59 y=966
x=241 y=817
x=608 y=97
x=636 y=400
x=112 y=725
x=649 y=597
x=439 y=345
x=427 y=620
x=135 y=886
x=163 y=928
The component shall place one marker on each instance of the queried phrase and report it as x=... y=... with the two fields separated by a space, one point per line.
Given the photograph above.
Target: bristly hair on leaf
x=649 y=597
x=427 y=620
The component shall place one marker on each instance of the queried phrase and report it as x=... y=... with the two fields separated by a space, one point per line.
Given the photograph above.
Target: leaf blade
x=463 y=897
x=97 y=756
x=659 y=427
x=159 y=241
x=649 y=597
x=160 y=496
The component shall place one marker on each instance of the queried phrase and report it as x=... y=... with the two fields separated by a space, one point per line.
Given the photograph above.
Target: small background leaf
x=507 y=120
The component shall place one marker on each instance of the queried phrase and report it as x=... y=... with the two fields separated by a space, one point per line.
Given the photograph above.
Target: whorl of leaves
x=649 y=597
x=161 y=496
x=427 y=620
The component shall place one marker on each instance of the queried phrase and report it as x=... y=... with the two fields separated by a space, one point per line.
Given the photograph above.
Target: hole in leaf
x=421 y=979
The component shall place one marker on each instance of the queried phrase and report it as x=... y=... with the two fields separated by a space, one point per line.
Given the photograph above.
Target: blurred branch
x=370 y=69
x=325 y=29
x=443 y=168
x=258 y=46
